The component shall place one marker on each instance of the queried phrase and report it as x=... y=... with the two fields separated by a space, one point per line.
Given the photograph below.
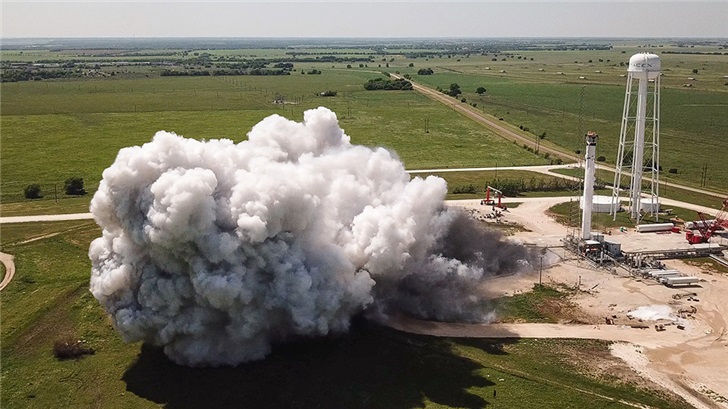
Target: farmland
x=121 y=100
x=113 y=96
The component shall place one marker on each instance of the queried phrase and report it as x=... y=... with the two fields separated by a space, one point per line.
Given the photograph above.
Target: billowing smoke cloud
x=216 y=250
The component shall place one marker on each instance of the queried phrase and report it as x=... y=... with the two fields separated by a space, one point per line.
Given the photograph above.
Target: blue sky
x=584 y=18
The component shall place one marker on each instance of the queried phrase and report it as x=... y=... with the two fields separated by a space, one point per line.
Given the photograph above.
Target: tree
x=74 y=186
x=695 y=70
x=480 y=90
x=33 y=191
x=454 y=90
x=411 y=65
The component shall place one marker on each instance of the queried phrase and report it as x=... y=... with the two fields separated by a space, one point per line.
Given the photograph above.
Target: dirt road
x=9 y=263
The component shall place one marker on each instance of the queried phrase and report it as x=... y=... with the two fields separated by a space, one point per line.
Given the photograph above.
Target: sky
x=384 y=19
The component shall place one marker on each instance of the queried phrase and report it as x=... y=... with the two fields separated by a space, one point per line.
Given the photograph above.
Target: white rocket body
x=587 y=200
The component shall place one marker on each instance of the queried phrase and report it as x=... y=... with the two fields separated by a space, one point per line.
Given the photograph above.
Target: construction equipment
x=705 y=229
x=490 y=201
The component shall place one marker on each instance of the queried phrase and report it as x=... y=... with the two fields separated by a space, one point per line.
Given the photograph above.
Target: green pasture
x=371 y=366
x=692 y=120
x=77 y=127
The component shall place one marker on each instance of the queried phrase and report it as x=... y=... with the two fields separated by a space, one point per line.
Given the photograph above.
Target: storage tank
x=645 y=64
x=648 y=205
x=600 y=204
x=673 y=281
x=654 y=227
x=699 y=223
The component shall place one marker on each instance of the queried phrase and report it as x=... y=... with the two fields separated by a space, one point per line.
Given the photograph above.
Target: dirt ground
x=691 y=361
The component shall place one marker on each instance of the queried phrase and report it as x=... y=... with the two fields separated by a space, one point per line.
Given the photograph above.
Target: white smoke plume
x=216 y=250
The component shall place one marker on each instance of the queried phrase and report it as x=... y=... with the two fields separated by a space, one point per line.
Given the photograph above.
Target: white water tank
x=645 y=63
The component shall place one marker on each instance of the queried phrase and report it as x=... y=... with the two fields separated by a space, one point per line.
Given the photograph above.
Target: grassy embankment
x=600 y=221
x=369 y=367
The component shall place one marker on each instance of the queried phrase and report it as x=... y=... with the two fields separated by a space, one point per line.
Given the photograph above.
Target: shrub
x=33 y=191
x=672 y=170
x=68 y=348
x=601 y=159
x=469 y=189
x=74 y=186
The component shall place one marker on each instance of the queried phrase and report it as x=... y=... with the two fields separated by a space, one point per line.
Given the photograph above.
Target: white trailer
x=673 y=281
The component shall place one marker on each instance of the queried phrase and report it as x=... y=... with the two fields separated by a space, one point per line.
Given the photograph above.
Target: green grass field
x=371 y=367
x=77 y=127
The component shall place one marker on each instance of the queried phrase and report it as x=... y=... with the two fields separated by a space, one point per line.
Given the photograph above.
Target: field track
x=7 y=259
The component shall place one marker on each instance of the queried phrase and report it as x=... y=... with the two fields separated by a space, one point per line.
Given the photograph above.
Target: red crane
x=705 y=229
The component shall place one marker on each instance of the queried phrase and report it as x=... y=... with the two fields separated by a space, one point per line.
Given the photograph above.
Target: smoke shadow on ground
x=370 y=367
x=491 y=346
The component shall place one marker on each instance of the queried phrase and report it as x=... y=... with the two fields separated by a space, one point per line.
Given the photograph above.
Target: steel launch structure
x=638 y=155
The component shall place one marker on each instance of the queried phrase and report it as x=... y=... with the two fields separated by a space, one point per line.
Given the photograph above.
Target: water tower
x=639 y=138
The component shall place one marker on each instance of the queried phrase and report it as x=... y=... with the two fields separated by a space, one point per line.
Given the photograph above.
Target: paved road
x=46 y=218
x=554 y=200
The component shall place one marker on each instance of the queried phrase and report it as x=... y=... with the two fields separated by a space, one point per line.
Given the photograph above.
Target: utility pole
x=540 y=269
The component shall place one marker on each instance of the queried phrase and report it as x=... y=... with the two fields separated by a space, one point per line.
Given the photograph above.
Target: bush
x=33 y=191
x=69 y=348
x=672 y=170
x=74 y=186
x=469 y=189
x=601 y=159
x=382 y=84
x=425 y=71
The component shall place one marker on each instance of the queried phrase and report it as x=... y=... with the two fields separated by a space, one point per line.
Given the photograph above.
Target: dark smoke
x=446 y=286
